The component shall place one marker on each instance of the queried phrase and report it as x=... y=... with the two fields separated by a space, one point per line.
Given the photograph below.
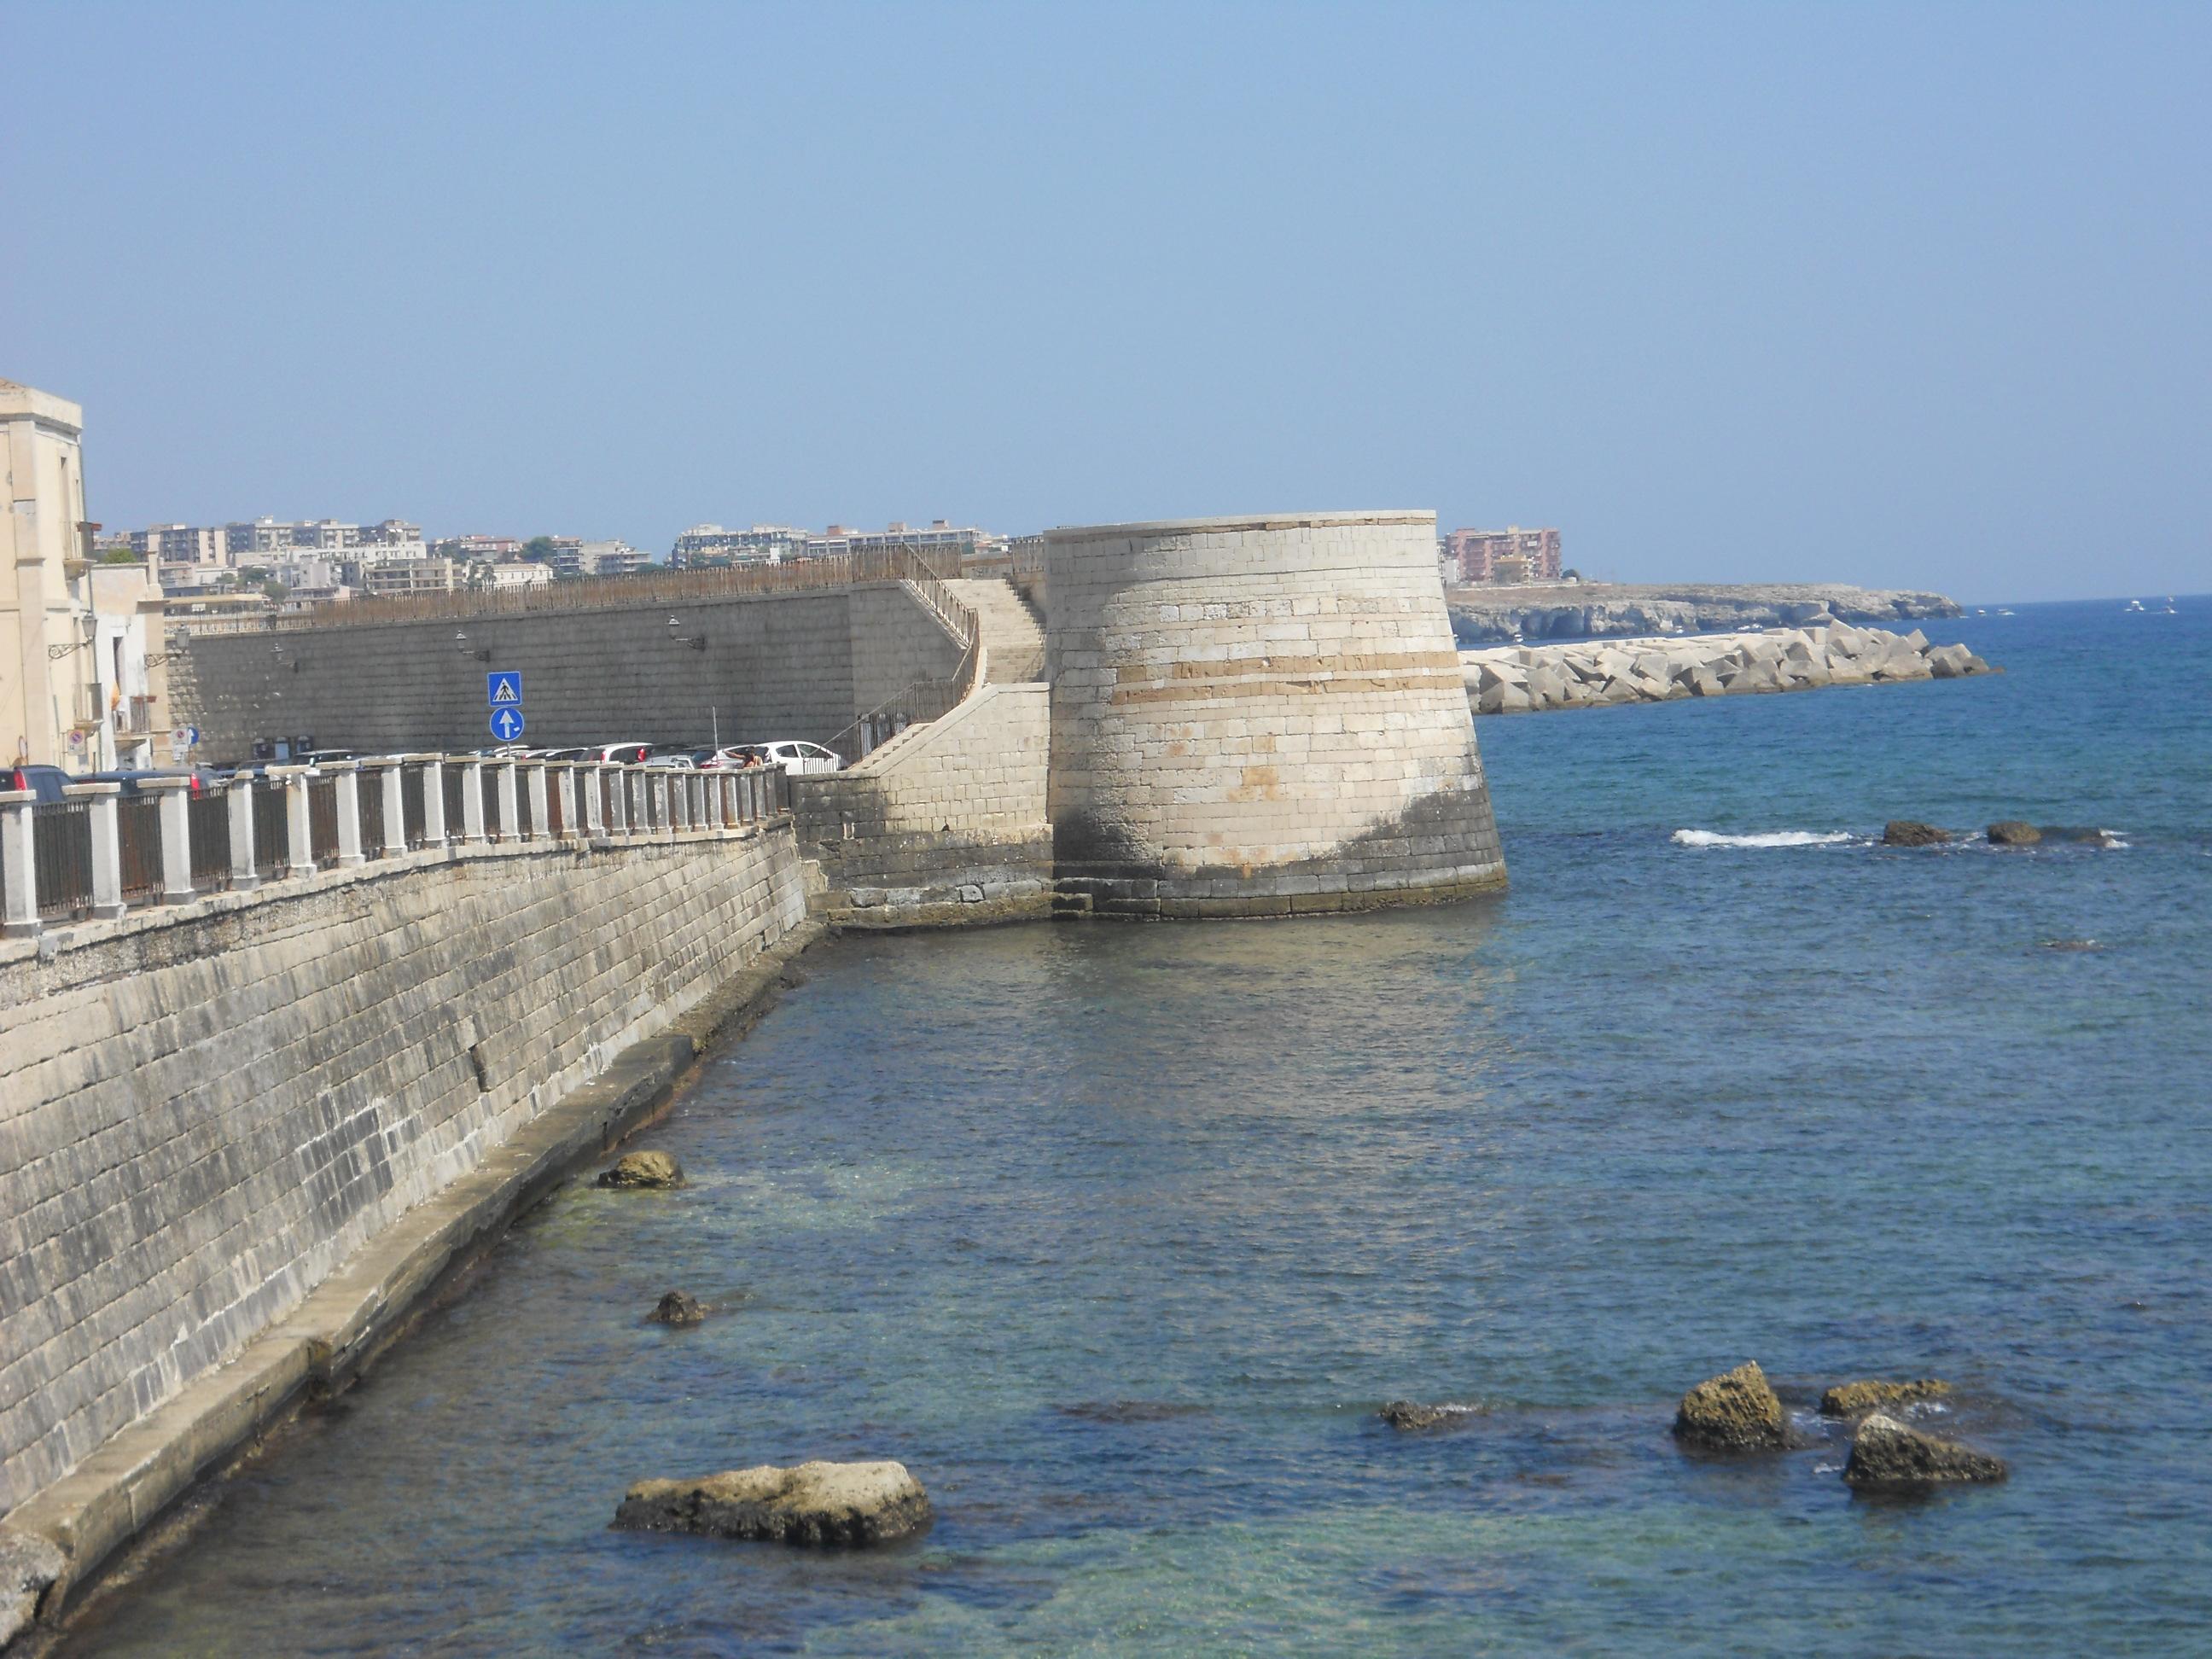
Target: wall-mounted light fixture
x=683 y=641
x=482 y=653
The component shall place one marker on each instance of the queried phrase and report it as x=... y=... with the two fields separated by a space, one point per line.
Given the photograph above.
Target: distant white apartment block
x=943 y=543
x=398 y=577
x=760 y=543
x=574 y=556
x=477 y=550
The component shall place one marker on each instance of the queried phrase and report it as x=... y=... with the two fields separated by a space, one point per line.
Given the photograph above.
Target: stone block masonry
x=1259 y=716
x=801 y=665
x=944 y=824
x=205 y=1111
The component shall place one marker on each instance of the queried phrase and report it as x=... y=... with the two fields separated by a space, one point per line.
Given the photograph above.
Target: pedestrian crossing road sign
x=504 y=689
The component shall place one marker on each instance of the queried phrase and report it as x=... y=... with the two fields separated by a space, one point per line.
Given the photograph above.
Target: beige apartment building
x=81 y=683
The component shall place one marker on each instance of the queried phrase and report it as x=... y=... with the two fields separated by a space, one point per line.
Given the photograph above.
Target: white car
x=796 y=758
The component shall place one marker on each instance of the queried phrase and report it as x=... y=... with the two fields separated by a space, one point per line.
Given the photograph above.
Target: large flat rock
x=812 y=1504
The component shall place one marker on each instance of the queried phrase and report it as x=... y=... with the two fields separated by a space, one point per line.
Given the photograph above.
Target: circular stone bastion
x=1259 y=716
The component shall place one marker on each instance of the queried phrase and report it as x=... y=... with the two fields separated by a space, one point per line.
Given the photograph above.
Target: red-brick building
x=1512 y=555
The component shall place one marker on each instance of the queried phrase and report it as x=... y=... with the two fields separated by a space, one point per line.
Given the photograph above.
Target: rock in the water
x=28 y=1563
x=1906 y=832
x=816 y=1503
x=1850 y=1399
x=679 y=1308
x=1409 y=1414
x=2013 y=833
x=1736 y=1411
x=1885 y=1452
x=643 y=1170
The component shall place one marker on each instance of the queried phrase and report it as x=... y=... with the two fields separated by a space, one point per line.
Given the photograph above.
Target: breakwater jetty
x=1524 y=679
x=1574 y=611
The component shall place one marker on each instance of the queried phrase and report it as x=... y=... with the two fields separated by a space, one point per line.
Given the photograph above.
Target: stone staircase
x=1013 y=635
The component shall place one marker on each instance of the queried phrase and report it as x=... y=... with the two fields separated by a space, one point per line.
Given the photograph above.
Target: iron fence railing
x=323 y=821
x=61 y=850
x=372 y=814
x=456 y=784
x=627 y=592
x=139 y=847
x=414 y=807
x=207 y=826
x=272 y=829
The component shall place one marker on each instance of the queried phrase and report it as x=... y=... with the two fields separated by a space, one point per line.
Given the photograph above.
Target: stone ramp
x=1013 y=638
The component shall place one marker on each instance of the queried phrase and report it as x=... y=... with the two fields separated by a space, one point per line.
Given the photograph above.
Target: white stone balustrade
x=107 y=847
x=176 y=821
x=472 y=802
x=510 y=803
x=389 y=779
x=433 y=800
x=245 y=875
x=597 y=801
x=18 y=864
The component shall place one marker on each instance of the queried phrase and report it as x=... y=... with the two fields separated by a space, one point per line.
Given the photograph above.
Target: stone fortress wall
x=1259 y=716
x=944 y=824
x=205 y=1110
x=775 y=665
x=222 y=1123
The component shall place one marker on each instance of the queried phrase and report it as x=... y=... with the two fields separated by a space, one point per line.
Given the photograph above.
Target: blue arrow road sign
x=504 y=689
x=507 y=724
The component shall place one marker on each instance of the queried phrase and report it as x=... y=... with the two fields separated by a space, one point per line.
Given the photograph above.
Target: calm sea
x=1118 y=1236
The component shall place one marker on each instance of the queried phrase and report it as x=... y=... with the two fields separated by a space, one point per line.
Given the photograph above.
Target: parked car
x=625 y=754
x=731 y=758
x=44 y=781
x=673 y=757
x=796 y=757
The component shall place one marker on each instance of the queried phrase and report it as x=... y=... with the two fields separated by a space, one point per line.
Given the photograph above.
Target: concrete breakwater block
x=1514 y=679
x=817 y=1504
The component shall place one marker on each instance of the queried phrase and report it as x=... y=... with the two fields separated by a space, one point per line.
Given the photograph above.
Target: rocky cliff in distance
x=1574 y=611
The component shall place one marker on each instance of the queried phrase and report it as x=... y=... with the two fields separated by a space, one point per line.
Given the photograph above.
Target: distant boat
x=2132 y=604
x=2003 y=612
x=2170 y=611
x=1981 y=613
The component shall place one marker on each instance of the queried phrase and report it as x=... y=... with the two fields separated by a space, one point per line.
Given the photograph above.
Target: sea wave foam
x=1771 y=838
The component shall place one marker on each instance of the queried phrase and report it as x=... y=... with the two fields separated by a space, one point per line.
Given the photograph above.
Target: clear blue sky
x=1906 y=296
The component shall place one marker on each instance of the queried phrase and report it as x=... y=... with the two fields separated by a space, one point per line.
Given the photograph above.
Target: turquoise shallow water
x=1118 y=1235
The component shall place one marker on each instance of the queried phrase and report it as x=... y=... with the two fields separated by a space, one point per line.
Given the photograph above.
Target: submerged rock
x=643 y=1170
x=28 y=1563
x=814 y=1503
x=1885 y=1452
x=1408 y=1415
x=2013 y=833
x=1906 y=832
x=1736 y=1411
x=1850 y=1399
x=679 y=1308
